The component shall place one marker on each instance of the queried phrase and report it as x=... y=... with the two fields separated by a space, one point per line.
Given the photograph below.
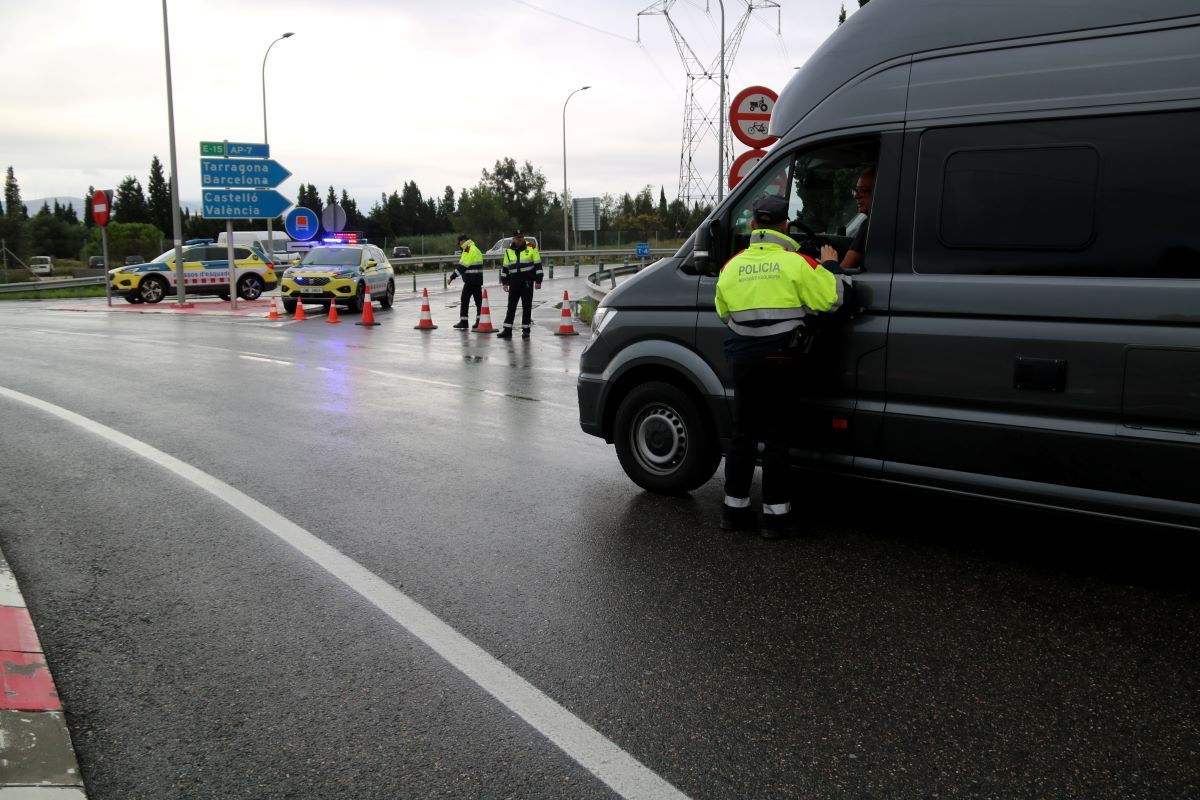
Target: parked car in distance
x=506 y=242
x=95 y=262
x=401 y=251
x=129 y=260
x=41 y=265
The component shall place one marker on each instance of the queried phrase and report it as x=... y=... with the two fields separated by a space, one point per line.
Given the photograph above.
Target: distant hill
x=36 y=205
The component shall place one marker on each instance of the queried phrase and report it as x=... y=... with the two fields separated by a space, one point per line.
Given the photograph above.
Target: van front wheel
x=662 y=441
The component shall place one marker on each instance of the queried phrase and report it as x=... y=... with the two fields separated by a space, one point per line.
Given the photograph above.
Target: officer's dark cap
x=770 y=210
x=518 y=233
x=462 y=237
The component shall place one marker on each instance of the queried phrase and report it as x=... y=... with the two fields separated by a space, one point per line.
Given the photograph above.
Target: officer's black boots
x=525 y=333
x=476 y=325
x=505 y=334
x=738 y=519
x=460 y=325
x=778 y=526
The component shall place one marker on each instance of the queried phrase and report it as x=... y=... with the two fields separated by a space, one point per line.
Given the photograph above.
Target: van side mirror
x=702 y=257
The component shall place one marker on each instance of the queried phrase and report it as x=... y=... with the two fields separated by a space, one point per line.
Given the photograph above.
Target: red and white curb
x=37 y=761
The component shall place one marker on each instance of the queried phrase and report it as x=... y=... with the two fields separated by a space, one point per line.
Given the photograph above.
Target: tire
x=152 y=289
x=250 y=287
x=355 y=306
x=135 y=299
x=224 y=296
x=389 y=295
x=289 y=305
x=663 y=441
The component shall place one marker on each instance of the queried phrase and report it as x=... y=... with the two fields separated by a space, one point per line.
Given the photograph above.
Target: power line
x=574 y=21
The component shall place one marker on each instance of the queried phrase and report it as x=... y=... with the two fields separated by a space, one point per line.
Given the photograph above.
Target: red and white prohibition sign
x=750 y=116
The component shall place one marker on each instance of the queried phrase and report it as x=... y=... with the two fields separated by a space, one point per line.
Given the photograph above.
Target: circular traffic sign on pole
x=750 y=116
x=101 y=206
x=301 y=223
x=743 y=164
x=333 y=218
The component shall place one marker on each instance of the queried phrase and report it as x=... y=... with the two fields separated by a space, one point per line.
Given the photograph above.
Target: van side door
x=1045 y=334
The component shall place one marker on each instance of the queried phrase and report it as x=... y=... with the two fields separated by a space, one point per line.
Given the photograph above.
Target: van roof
x=883 y=31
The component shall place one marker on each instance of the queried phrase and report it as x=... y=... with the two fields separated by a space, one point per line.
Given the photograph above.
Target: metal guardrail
x=597 y=291
x=564 y=258
x=37 y=286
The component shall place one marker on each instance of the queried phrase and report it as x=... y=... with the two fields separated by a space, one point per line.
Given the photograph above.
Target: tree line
x=506 y=197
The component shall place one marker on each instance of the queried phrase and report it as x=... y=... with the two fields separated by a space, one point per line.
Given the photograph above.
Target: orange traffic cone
x=368 y=312
x=485 y=317
x=274 y=308
x=299 y=315
x=426 y=323
x=566 y=327
x=332 y=319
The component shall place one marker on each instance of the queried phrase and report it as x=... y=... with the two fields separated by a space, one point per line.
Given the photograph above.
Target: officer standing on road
x=520 y=275
x=763 y=295
x=470 y=269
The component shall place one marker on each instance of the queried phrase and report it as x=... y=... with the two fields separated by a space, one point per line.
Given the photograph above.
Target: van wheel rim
x=659 y=439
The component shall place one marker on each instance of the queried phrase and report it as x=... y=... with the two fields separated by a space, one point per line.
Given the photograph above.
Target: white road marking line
x=623 y=773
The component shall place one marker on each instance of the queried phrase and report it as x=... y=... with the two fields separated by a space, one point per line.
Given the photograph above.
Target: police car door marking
x=595 y=752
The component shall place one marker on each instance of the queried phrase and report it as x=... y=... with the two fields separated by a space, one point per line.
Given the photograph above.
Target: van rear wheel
x=662 y=440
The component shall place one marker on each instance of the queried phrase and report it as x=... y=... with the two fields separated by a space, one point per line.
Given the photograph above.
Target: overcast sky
x=369 y=94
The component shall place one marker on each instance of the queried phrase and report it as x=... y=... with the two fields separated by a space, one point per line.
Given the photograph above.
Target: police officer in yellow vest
x=520 y=275
x=765 y=295
x=470 y=269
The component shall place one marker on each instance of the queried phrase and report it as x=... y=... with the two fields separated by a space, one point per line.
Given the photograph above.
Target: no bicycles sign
x=750 y=116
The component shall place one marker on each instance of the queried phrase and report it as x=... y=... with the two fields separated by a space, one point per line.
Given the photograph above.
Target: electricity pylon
x=702 y=117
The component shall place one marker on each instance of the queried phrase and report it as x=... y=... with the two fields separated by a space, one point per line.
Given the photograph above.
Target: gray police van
x=1025 y=322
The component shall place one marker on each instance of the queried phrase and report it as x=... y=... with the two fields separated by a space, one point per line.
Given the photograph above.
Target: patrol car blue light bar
x=344 y=237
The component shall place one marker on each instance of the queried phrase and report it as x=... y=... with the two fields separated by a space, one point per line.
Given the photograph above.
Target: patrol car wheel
x=389 y=295
x=133 y=298
x=250 y=287
x=662 y=441
x=355 y=306
x=224 y=296
x=152 y=289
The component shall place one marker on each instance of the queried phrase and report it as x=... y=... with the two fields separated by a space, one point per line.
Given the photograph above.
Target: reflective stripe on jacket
x=470 y=263
x=769 y=288
x=523 y=265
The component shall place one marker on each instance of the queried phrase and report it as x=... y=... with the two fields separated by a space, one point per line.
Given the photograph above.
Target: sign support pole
x=104 y=249
x=232 y=265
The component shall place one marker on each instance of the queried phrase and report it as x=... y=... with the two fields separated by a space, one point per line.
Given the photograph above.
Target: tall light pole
x=566 y=235
x=721 y=124
x=177 y=225
x=270 y=220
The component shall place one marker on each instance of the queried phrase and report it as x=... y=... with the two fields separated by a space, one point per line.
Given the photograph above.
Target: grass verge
x=55 y=294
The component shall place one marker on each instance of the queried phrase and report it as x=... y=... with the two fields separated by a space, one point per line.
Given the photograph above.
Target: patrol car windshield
x=331 y=257
x=167 y=256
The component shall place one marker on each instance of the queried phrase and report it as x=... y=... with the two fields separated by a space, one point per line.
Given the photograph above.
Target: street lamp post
x=177 y=222
x=270 y=220
x=721 y=106
x=566 y=234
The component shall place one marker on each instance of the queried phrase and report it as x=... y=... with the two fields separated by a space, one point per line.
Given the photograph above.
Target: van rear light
x=841 y=424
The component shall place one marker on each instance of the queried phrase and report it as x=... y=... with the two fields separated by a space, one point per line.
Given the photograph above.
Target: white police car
x=340 y=271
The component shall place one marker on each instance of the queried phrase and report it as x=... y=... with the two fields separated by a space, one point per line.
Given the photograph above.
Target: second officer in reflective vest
x=520 y=275
x=470 y=269
x=767 y=295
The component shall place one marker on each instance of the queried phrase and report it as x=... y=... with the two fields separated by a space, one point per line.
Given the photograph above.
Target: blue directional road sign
x=242 y=172
x=643 y=249
x=301 y=223
x=243 y=203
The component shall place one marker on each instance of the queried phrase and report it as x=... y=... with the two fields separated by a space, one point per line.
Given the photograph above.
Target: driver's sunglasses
x=855 y=192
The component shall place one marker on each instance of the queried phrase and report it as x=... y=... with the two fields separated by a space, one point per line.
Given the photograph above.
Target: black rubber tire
x=355 y=306
x=389 y=295
x=663 y=441
x=289 y=305
x=224 y=296
x=135 y=299
x=250 y=287
x=152 y=289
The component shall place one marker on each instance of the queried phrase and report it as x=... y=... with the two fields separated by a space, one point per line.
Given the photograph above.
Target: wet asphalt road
x=907 y=646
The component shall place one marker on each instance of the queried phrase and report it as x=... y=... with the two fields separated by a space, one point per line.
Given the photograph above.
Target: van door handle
x=1040 y=374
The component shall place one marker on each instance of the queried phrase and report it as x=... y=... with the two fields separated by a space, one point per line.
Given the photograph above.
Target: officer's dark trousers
x=519 y=291
x=470 y=291
x=764 y=387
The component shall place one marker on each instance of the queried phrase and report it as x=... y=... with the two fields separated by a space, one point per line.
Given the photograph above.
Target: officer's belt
x=529 y=268
x=473 y=271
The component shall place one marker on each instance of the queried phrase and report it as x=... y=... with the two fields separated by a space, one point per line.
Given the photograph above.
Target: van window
x=1106 y=197
x=819 y=184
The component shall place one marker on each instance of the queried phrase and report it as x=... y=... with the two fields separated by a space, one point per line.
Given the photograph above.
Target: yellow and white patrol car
x=205 y=271
x=339 y=273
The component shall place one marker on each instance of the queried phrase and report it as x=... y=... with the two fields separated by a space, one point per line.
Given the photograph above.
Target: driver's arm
x=852 y=261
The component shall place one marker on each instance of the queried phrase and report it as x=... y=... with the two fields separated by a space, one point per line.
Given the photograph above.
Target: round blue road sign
x=301 y=224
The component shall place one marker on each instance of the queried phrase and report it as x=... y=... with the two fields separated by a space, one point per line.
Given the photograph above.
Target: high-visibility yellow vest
x=524 y=264
x=769 y=288
x=470 y=263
